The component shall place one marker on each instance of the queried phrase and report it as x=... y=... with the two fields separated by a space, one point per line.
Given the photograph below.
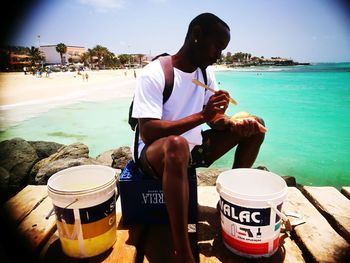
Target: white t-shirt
x=186 y=98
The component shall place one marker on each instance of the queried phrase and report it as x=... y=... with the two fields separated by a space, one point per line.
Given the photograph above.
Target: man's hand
x=216 y=106
x=220 y=123
x=247 y=126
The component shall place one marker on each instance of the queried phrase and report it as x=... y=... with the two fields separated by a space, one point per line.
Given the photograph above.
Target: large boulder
x=207 y=176
x=53 y=167
x=72 y=151
x=120 y=157
x=4 y=179
x=45 y=149
x=105 y=158
x=4 y=183
x=17 y=156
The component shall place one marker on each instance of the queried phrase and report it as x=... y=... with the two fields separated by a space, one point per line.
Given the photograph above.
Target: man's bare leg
x=169 y=157
x=247 y=151
x=220 y=142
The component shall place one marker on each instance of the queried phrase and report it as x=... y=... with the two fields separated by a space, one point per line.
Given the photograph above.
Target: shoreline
x=25 y=96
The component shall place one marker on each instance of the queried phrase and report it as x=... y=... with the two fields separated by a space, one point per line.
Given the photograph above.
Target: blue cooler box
x=142 y=199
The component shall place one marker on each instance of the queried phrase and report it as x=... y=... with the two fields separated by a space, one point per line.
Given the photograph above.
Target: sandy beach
x=17 y=89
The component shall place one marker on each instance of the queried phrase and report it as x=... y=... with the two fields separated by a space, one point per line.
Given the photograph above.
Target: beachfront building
x=53 y=57
x=19 y=60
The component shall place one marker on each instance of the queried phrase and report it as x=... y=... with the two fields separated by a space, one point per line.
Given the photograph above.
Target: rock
x=264 y=168
x=4 y=179
x=72 y=151
x=45 y=149
x=17 y=156
x=208 y=176
x=53 y=167
x=120 y=157
x=4 y=183
x=290 y=180
x=105 y=158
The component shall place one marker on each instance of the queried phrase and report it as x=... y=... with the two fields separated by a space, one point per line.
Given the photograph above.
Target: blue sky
x=304 y=30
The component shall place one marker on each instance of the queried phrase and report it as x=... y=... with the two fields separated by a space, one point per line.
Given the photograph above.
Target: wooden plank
x=19 y=206
x=210 y=244
x=26 y=213
x=345 y=190
x=211 y=247
x=291 y=252
x=35 y=228
x=52 y=251
x=157 y=244
x=334 y=206
x=316 y=237
x=124 y=249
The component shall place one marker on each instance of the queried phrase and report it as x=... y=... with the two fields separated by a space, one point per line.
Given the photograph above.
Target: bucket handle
x=285 y=219
x=51 y=212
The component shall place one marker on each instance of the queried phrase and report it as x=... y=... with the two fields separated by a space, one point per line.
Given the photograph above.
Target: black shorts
x=199 y=158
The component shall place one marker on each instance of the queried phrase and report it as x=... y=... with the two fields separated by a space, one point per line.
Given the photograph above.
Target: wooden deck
x=324 y=237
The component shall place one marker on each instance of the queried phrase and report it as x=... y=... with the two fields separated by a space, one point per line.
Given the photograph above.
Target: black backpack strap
x=136 y=146
x=204 y=74
x=167 y=66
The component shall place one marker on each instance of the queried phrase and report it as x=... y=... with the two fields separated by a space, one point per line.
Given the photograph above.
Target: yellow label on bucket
x=91 y=247
x=87 y=231
x=70 y=231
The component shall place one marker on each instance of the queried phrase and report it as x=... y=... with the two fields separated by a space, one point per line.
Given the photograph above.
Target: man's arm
x=153 y=129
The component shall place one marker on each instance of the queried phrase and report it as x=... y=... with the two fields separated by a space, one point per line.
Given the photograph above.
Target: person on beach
x=171 y=136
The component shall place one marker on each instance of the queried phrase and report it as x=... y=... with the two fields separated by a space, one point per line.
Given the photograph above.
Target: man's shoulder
x=152 y=75
x=153 y=67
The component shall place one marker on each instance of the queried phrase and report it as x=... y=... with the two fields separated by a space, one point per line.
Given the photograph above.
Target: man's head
x=206 y=37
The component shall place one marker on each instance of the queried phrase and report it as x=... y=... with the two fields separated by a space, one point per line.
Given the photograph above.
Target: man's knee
x=177 y=147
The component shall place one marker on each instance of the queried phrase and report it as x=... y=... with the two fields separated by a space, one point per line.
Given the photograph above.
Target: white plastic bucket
x=84 y=202
x=250 y=226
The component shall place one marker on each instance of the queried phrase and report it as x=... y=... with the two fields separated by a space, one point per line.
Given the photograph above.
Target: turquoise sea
x=306 y=110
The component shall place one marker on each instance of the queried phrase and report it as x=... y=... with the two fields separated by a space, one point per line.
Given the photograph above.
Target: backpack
x=167 y=67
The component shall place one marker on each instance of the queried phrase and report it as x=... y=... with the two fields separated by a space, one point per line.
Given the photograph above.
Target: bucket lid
x=81 y=179
x=251 y=184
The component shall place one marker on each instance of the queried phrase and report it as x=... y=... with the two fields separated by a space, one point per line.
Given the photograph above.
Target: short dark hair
x=206 y=22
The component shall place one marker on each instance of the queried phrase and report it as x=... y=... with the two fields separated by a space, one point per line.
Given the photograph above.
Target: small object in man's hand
x=240 y=116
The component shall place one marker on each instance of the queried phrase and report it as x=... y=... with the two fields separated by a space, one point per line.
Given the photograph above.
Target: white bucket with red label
x=248 y=201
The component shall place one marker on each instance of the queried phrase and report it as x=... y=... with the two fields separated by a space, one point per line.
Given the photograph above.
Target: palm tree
x=91 y=54
x=62 y=49
x=101 y=52
x=36 y=55
x=84 y=58
x=124 y=58
x=110 y=60
x=140 y=56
